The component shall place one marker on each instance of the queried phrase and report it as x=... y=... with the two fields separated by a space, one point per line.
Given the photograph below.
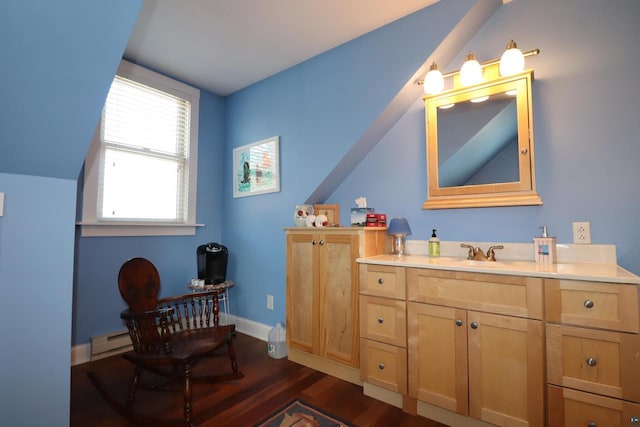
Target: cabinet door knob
x=380 y=280
x=458 y=322
x=634 y=420
x=588 y=303
x=591 y=361
x=380 y=365
x=592 y=424
x=380 y=320
x=321 y=242
x=474 y=325
x=313 y=242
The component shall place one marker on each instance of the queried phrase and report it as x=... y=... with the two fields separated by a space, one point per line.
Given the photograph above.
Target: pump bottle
x=434 y=244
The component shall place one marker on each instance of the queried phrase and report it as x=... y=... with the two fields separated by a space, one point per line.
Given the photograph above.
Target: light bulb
x=433 y=81
x=471 y=71
x=512 y=60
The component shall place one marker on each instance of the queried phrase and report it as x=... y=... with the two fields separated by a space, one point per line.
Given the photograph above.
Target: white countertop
x=599 y=272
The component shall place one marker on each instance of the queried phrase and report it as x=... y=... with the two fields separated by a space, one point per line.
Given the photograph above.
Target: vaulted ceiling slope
x=465 y=21
x=224 y=46
x=59 y=64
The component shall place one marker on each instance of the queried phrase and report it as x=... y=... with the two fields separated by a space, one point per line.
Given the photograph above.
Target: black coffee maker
x=212 y=263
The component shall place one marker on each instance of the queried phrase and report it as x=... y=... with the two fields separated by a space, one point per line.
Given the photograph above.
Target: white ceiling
x=226 y=45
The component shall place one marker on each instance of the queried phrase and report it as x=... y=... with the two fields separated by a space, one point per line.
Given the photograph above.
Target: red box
x=376 y=220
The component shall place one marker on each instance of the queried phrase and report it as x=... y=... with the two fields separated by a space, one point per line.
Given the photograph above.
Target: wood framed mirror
x=480 y=148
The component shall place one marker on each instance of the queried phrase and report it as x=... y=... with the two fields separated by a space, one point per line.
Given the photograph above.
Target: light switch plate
x=1 y=204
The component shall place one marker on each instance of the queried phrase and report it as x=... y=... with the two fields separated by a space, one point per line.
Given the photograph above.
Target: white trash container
x=276 y=347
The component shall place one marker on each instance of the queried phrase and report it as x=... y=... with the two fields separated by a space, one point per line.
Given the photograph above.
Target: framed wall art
x=256 y=168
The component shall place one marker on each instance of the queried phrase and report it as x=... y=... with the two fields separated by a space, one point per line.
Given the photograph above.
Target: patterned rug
x=298 y=413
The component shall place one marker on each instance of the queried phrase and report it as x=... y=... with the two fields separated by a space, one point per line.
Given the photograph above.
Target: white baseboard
x=81 y=353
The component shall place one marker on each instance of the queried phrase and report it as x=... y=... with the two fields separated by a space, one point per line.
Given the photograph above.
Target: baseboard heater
x=110 y=344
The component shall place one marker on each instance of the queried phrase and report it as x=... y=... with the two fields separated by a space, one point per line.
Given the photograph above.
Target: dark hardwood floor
x=268 y=384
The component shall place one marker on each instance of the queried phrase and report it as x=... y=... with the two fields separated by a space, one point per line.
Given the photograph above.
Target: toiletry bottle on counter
x=434 y=244
x=544 y=248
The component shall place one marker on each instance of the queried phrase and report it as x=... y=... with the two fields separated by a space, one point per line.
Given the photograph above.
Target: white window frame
x=91 y=225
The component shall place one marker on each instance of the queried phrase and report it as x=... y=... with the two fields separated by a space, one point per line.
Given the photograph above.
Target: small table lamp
x=399 y=229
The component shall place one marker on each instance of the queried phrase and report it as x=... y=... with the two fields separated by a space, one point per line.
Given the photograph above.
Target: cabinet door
x=506 y=377
x=338 y=303
x=302 y=293
x=437 y=351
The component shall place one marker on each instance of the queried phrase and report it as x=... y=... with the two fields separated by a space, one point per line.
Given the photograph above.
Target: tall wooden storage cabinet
x=322 y=295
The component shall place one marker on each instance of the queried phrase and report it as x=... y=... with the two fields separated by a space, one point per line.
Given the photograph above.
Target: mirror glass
x=480 y=145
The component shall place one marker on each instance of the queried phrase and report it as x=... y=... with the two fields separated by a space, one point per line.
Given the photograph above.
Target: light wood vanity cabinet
x=322 y=296
x=468 y=357
x=508 y=350
x=593 y=353
x=383 y=332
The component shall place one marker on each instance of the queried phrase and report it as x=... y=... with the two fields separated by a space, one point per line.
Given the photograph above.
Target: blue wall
x=36 y=276
x=58 y=62
x=586 y=103
x=320 y=109
x=98 y=303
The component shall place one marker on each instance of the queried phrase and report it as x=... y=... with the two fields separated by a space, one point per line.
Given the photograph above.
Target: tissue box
x=359 y=216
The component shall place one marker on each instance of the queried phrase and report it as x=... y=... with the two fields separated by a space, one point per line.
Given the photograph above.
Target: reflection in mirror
x=480 y=145
x=478 y=142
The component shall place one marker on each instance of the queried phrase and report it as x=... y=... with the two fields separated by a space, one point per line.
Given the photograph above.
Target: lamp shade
x=399 y=227
x=433 y=81
x=512 y=60
x=471 y=71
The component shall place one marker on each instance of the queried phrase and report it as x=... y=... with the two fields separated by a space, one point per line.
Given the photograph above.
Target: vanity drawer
x=383 y=319
x=599 y=305
x=596 y=361
x=382 y=281
x=494 y=293
x=569 y=408
x=383 y=365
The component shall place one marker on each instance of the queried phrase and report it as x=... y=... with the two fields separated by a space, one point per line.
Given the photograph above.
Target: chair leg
x=133 y=385
x=187 y=393
x=232 y=354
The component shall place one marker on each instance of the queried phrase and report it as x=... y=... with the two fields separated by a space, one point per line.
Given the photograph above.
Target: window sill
x=121 y=229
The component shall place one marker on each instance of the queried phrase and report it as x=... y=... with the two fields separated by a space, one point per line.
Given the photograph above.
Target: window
x=140 y=172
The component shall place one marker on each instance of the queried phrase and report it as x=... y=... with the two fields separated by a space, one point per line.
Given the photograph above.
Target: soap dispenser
x=544 y=248
x=434 y=244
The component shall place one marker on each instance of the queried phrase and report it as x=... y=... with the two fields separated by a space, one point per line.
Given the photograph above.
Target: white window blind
x=141 y=169
x=145 y=144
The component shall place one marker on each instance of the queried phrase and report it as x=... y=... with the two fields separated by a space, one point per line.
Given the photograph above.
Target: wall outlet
x=581 y=232
x=269 y=302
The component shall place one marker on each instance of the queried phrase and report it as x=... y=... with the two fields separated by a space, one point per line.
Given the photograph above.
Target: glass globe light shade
x=471 y=71
x=433 y=81
x=512 y=60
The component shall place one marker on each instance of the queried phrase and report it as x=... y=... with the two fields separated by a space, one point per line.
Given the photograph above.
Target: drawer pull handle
x=380 y=281
x=592 y=424
x=591 y=361
x=458 y=322
x=380 y=365
x=588 y=303
x=380 y=320
x=474 y=325
x=634 y=420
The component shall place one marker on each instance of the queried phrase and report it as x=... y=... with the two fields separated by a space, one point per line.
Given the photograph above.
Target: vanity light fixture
x=433 y=81
x=471 y=71
x=511 y=62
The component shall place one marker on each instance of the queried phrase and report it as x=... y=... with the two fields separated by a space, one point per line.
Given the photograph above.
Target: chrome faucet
x=476 y=253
